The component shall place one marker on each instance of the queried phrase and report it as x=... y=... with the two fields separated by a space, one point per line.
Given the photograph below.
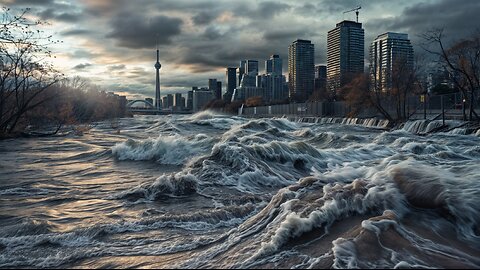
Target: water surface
x=208 y=190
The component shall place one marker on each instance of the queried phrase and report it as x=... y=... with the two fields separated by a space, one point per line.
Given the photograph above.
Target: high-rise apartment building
x=345 y=54
x=169 y=101
x=272 y=85
x=231 y=79
x=177 y=101
x=218 y=91
x=274 y=65
x=212 y=86
x=190 y=98
x=241 y=70
x=300 y=70
x=201 y=97
x=321 y=81
x=251 y=67
x=390 y=53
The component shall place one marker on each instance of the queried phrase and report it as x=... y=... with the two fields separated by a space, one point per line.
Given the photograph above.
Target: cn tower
x=158 y=101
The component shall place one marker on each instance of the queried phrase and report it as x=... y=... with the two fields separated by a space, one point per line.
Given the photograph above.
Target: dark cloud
x=288 y=34
x=212 y=33
x=115 y=7
x=76 y=32
x=82 y=66
x=27 y=2
x=52 y=14
x=262 y=11
x=342 y=6
x=68 y=17
x=136 y=32
x=204 y=17
x=270 y=9
x=458 y=18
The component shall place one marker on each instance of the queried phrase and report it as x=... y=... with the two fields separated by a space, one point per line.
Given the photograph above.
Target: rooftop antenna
x=356 y=11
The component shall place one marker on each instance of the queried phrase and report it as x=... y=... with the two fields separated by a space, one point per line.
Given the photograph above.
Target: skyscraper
x=201 y=97
x=190 y=98
x=390 y=52
x=345 y=54
x=300 y=69
x=272 y=86
x=158 y=101
x=169 y=103
x=320 y=81
x=274 y=65
x=251 y=67
x=218 y=92
x=177 y=101
x=241 y=70
x=231 y=80
x=212 y=86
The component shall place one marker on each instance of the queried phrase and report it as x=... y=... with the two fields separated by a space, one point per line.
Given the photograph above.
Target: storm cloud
x=198 y=39
x=137 y=33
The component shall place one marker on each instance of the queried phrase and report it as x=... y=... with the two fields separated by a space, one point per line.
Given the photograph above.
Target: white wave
x=214 y=119
x=427 y=126
x=176 y=184
x=174 y=150
x=344 y=253
x=207 y=114
x=388 y=186
x=459 y=131
x=339 y=201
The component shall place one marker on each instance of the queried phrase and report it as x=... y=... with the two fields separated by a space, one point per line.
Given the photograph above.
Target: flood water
x=213 y=191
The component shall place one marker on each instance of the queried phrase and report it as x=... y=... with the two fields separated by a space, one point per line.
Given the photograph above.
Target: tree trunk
x=472 y=98
x=15 y=122
x=2 y=101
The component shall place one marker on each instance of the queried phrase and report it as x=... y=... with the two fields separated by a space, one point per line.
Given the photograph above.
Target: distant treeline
x=68 y=102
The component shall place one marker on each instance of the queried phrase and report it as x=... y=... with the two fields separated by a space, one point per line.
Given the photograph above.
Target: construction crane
x=356 y=11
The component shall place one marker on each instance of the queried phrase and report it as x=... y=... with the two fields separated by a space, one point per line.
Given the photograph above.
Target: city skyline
x=198 y=40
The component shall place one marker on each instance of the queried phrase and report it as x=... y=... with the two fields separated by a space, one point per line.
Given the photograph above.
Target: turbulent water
x=211 y=191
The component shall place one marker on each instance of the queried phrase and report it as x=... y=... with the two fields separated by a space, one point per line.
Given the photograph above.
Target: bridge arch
x=149 y=105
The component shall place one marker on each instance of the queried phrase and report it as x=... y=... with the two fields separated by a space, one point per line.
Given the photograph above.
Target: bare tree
x=361 y=93
x=461 y=60
x=405 y=82
x=25 y=73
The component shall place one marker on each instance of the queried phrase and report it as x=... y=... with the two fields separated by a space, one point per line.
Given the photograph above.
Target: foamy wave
x=203 y=115
x=214 y=119
x=176 y=184
x=427 y=126
x=174 y=150
x=339 y=201
x=389 y=188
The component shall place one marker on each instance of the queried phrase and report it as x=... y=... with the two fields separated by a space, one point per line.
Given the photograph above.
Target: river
x=213 y=191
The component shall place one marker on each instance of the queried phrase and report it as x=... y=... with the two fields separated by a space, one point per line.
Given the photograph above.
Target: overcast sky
x=113 y=42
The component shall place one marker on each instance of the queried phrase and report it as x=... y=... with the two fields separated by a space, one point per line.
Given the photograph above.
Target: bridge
x=150 y=109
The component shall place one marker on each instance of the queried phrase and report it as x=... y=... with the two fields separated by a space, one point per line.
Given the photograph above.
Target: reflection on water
x=214 y=191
